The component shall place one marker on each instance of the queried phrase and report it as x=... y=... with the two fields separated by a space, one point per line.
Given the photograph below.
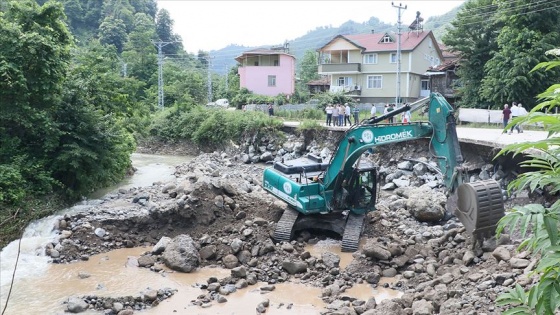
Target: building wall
x=255 y=78
x=425 y=55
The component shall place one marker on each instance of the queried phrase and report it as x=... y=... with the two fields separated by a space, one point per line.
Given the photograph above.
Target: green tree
x=183 y=87
x=538 y=224
x=139 y=52
x=75 y=13
x=473 y=35
x=307 y=68
x=529 y=29
x=112 y=31
x=164 y=30
x=120 y=9
x=34 y=59
x=148 y=7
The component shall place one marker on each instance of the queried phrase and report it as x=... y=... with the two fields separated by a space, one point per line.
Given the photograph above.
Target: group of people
x=338 y=114
x=405 y=116
x=512 y=113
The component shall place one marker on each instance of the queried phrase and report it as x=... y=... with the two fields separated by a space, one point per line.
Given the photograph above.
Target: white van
x=223 y=102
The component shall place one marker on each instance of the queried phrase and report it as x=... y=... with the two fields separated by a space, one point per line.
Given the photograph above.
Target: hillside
x=314 y=39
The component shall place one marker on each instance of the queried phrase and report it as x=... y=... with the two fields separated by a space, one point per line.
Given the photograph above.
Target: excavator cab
x=362 y=188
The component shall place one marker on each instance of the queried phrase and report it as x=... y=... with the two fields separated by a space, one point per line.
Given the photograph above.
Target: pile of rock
x=119 y=305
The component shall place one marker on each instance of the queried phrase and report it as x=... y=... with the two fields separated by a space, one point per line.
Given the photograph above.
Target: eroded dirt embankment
x=218 y=201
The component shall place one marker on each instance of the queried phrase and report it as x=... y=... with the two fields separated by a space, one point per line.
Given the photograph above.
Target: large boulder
x=181 y=254
x=425 y=204
x=76 y=305
x=375 y=250
x=293 y=267
x=331 y=260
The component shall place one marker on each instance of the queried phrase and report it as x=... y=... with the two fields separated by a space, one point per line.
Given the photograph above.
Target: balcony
x=347 y=89
x=339 y=68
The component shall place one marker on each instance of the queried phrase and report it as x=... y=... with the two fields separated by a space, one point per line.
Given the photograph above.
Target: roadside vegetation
x=538 y=224
x=210 y=127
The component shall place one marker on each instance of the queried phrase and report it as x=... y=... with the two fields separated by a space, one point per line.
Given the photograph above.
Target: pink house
x=267 y=72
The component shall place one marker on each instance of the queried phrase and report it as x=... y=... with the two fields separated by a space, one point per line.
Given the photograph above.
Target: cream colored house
x=364 y=66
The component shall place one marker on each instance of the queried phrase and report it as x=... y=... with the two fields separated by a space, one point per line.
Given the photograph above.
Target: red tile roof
x=372 y=42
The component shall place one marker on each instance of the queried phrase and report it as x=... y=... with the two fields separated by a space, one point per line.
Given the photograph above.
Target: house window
x=374 y=81
x=256 y=63
x=393 y=58
x=425 y=85
x=271 y=80
x=370 y=59
x=276 y=63
x=386 y=39
x=344 y=81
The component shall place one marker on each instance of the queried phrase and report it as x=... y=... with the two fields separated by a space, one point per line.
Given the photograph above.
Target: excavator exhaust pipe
x=480 y=206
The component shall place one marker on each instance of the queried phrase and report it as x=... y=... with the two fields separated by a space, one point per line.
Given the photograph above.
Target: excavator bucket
x=480 y=206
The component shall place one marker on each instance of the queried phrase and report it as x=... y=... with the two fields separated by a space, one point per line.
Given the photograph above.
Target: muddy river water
x=41 y=288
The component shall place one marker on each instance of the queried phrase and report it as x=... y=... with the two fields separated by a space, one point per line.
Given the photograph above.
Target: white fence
x=474 y=115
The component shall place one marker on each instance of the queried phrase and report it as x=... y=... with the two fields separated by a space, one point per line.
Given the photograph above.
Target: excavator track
x=284 y=227
x=352 y=232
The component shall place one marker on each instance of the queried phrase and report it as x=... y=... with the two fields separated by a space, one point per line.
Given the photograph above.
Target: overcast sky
x=211 y=25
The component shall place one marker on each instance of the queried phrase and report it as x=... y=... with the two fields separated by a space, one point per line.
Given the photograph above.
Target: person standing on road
x=356 y=112
x=340 y=115
x=514 y=114
x=506 y=114
x=406 y=117
x=390 y=109
x=373 y=111
x=522 y=112
x=335 y=115
x=347 y=114
x=329 y=111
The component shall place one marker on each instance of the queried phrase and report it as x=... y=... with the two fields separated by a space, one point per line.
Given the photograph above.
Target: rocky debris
x=216 y=213
x=119 y=305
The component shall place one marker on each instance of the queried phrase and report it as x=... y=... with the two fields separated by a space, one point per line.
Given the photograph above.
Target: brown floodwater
x=112 y=275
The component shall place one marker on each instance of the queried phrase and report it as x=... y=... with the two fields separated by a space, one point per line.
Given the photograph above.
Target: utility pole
x=227 y=86
x=399 y=7
x=159 y=46
x=209 y=60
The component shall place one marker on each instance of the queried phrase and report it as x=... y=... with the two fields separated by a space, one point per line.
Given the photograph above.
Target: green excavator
x=336 y=195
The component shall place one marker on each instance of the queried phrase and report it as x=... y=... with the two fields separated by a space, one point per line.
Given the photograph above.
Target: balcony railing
x=355 y=89
x=340 y=67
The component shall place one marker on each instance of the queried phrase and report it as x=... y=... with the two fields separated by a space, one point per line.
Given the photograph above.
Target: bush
x=12 y=184
x=307 y=113
x=209 y=126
